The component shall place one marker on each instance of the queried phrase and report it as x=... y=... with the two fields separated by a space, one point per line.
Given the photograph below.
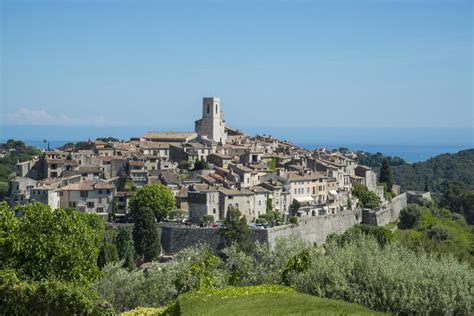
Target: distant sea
x=411 y=144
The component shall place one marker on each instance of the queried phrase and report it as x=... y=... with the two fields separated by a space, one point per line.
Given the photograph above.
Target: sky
x=393 y=64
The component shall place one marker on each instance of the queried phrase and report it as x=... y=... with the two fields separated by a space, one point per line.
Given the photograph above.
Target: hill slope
x=274 y=300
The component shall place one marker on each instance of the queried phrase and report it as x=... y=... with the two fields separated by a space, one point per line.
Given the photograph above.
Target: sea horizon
x=411 y=144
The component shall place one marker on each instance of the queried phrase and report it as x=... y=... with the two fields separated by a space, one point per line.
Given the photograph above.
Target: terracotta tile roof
x=170 y=135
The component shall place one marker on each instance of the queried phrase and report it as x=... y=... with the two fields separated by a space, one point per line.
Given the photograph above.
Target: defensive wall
x=313 y=229
x=382 y=217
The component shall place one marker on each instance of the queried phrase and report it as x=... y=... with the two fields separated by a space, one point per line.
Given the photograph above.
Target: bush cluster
x=364 y=268
x=392 y=278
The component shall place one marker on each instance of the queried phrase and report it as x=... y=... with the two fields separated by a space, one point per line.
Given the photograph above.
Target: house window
x=100 y=210
x=84 y=194
x=60 y=193
x=108 y=191
x=214 y=211
x=100 y=191
x=72 y=204
x=90 y=204
x=260 y=203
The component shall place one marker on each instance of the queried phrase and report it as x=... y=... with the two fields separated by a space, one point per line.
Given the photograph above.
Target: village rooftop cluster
x=209 y=170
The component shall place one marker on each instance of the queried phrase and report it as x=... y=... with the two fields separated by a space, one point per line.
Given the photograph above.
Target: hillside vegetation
x=431 y=174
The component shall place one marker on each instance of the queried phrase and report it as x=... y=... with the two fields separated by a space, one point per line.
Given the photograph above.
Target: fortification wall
x=386 y=215
x=312 y=229
x=315 y=229
x=175 y=238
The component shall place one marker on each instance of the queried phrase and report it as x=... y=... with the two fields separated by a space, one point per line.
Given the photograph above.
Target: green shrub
x=381 y=234
x=438 y=233
x=294 y=220
x=391 y=278
x=366 y=198
x=409 y=216
x=129 y=289
x=48 y=297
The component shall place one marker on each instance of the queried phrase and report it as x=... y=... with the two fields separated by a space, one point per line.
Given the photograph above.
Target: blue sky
x=273 y=63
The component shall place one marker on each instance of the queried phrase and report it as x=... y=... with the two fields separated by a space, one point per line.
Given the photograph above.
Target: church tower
x=212 y=124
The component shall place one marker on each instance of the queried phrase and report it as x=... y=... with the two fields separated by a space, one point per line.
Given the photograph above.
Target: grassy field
x=252 y=300
x=284 y=302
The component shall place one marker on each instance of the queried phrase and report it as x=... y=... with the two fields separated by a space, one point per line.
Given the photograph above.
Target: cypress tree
x=386 y=174
x=145 y=235
x=237 y=231
x=125 y=248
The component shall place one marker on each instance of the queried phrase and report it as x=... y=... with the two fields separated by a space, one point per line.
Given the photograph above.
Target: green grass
x=262 y=300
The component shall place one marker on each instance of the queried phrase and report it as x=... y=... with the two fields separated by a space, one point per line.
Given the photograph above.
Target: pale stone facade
x=212 y=124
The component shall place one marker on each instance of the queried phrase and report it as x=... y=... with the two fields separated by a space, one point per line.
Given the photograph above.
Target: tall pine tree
x=386 y=175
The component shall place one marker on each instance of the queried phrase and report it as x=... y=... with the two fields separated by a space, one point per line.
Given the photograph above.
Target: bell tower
x=212 y=124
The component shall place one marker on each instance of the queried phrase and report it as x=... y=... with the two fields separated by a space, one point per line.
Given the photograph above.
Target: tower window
x=208 y=109
x=216 y=108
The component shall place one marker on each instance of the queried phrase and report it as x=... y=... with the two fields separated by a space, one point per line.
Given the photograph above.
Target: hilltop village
x=208 y=170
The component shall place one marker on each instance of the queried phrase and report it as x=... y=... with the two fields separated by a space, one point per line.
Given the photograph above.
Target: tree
x=107 y=254
x=272 y=164
x=155 y=197
x=294 y=207
x=452 y=196
x=237 y=231
x=439 y=233
x=114 y=210
x=409 y=216
x=468 y=205
x=125 y=248
x=200 y=165
x=386 y=174
x=184 y=165
x=366 y=198
x=42 y=244
x=145 y=235
x=177 y=214
x=206 y=220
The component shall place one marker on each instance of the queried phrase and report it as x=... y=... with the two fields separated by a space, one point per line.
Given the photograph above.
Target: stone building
x=93 y=196
x=212 y=124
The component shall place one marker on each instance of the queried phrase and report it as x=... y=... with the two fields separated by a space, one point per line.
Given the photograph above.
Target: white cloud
x=25 y=116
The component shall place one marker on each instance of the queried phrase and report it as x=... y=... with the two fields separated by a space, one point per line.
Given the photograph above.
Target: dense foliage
x=391 y=278
x=48 y=297
x=48 y=260
x=438 y=231
x=386 y=175
x=409 y=216
x=459 y=198
x=388 y=278
x=236 y=230
x=429 y=175
x=44 y=244
x=366 y=198
x=376 y=160
x=145 y=233
x=125 y=247
x=155 y=197
x=15 y=150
